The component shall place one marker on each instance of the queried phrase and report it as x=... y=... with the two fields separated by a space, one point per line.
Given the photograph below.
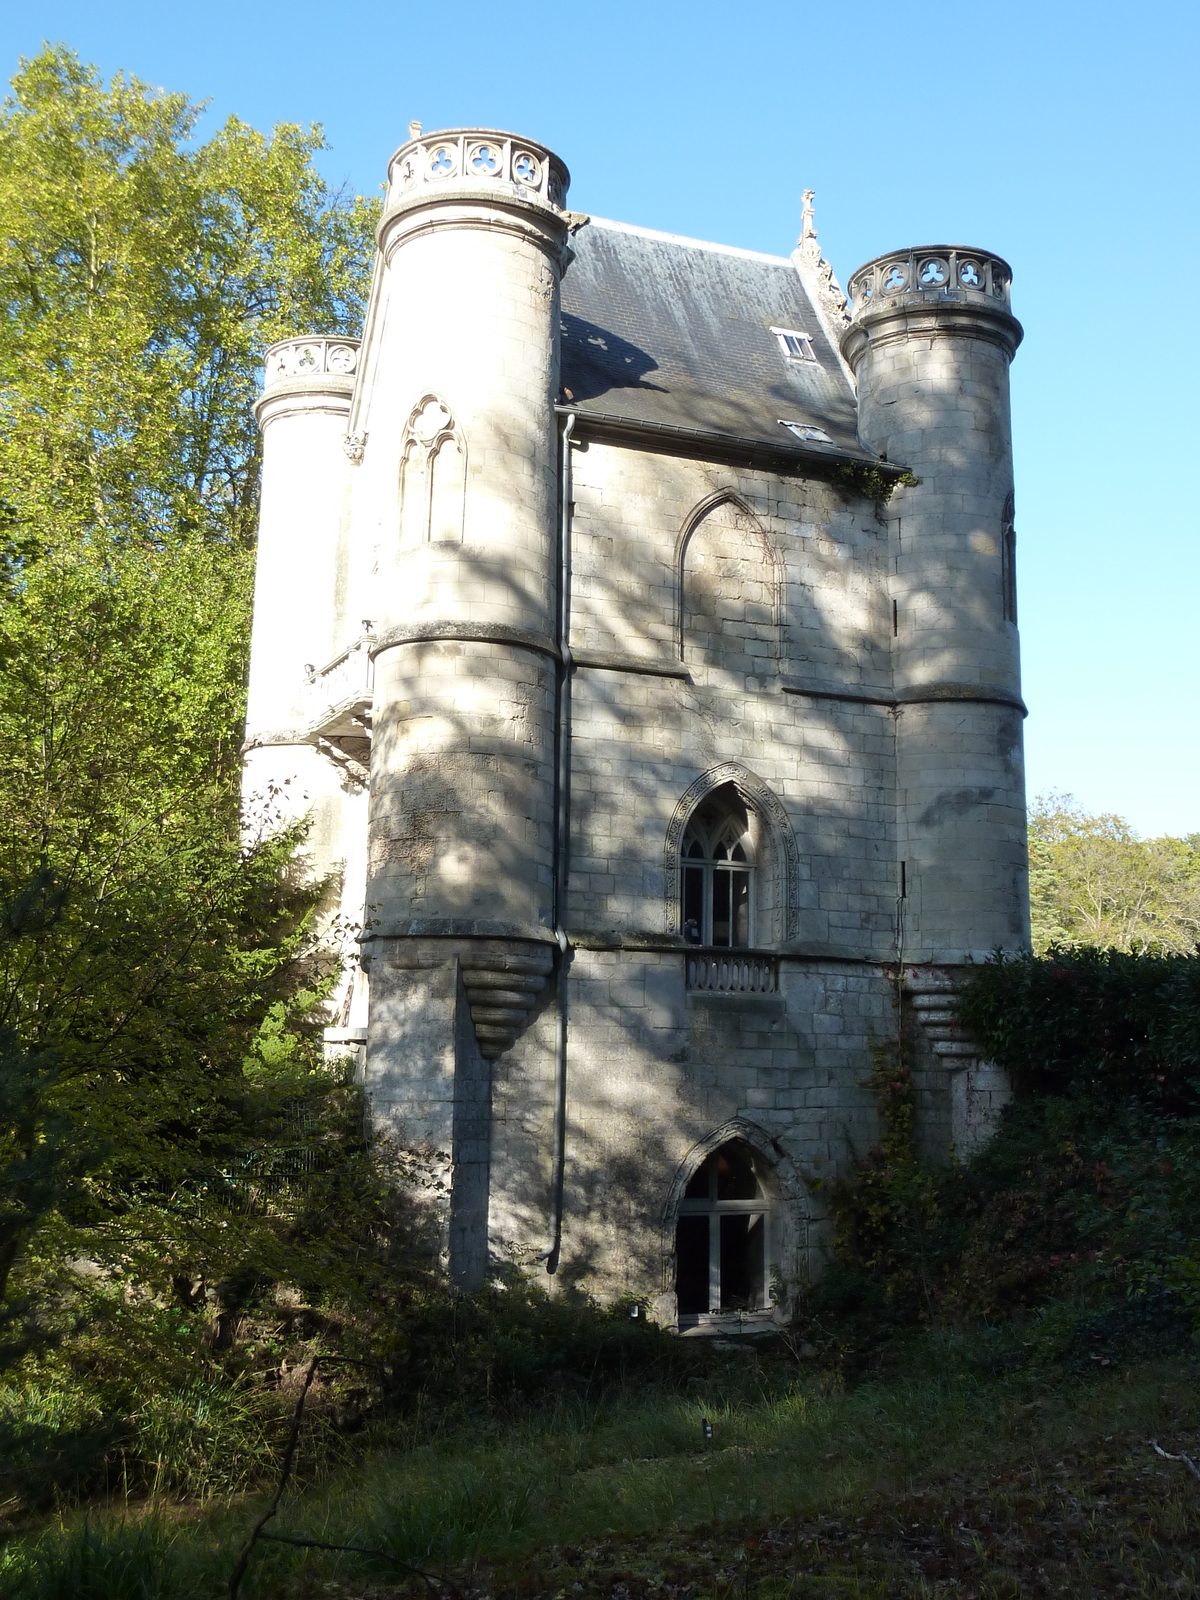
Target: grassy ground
x=972 y=1473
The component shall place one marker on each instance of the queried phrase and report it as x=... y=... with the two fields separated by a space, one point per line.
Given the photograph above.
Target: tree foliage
x=158 y=979
x=1092 y=881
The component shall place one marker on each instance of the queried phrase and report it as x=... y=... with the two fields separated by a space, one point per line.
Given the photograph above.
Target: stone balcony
x=339 y=697
x=712 y=970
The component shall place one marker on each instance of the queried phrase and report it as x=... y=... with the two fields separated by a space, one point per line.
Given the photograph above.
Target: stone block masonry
x=652 y=757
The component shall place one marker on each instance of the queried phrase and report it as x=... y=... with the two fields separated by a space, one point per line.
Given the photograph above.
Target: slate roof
x=675 y=332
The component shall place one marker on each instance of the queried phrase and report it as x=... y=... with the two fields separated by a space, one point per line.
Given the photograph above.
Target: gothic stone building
x=636 y=622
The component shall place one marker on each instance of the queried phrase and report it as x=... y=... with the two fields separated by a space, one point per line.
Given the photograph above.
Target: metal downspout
x=561 y=839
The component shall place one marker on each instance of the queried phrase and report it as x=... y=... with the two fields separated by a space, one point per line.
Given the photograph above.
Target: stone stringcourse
x=566 y=547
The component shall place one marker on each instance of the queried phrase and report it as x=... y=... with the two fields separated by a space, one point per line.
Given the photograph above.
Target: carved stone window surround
x=782 y=839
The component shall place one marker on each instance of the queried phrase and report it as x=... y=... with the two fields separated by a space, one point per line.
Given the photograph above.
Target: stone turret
x=930 y=341
x=458 y=480
x=308 y=383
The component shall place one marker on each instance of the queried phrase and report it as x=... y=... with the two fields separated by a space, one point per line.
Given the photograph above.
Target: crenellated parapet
x=933 y=273
x=476 y=176
x=329 y=358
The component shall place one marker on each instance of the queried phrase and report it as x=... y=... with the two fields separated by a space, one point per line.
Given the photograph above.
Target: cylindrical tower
x=302 y=413
x=459 y=483
x=930 y=343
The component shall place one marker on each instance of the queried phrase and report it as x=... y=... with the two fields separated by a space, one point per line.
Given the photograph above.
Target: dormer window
x=806 y=431
x=795 y=344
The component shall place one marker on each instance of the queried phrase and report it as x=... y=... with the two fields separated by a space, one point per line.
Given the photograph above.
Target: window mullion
x=714 y=1262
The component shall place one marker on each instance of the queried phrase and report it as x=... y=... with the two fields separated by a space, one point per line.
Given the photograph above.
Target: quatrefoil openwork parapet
x=943 y=284
x=320 y=360
x=503 y=164
x=939 y=272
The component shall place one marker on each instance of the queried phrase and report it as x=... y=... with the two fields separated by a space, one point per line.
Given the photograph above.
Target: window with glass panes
x=718 y=882
x=721 y=1246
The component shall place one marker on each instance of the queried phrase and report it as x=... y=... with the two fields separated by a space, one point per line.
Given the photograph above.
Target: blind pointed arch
x=729 y=588
x=433 y=475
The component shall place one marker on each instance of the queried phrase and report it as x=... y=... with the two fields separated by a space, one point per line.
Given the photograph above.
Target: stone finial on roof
x=807 y=231
x=816 y=274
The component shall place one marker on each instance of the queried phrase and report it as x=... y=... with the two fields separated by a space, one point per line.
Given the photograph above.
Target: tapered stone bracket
x=932 y=996
x=502 y=989
x=979 y=1090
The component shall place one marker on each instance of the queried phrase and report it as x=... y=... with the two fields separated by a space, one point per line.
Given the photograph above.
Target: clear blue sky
x=1064 y=136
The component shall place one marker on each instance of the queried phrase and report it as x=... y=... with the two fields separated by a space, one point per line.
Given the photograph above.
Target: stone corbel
x=979 y=1090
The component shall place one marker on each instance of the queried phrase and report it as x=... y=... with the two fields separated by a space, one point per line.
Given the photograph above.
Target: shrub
x=1105 y=1023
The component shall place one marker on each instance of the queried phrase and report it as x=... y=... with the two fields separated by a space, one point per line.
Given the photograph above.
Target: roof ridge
x=696 y=244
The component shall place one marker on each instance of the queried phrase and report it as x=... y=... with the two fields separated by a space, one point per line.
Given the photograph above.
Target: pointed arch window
x=433 y=475
x=722 y=1252
x=718 y=878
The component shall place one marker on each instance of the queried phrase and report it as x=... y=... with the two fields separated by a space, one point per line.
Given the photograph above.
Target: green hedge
x=1103 y=1022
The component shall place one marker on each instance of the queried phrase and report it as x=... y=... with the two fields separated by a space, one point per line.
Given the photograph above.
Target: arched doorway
x=722 y=1244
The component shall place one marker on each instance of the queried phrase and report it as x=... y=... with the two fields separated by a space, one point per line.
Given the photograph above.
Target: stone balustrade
x=348 y=676
x=731 y=972
x=338 y=718
x=932 y=273
x=478 y=156
x=329 y=356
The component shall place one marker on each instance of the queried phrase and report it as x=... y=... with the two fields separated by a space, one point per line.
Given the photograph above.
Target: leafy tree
x=1092 y=881
x=142 y=276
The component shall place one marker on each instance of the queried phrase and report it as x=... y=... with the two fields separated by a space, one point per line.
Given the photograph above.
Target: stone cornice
x=321 y=396
x=700 y=444
x=429 y=214
x=614 y=661
x=402 y=633
x=457 y=928
x=915 y=695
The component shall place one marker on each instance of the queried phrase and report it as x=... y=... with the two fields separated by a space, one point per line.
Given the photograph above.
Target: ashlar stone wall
x=705 y=600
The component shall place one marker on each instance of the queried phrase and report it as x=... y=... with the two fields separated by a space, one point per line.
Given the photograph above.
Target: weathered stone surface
x=745 y=637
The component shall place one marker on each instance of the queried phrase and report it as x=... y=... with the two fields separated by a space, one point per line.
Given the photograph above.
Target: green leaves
x=143 y=273
x=1103 y=1022
x=141 y=280
x=1093 y=881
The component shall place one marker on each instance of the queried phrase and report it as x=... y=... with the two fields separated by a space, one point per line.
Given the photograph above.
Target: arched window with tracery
x=717 y=878
x=722 y=1249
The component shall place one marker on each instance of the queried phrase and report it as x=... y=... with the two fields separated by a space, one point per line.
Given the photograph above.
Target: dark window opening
x=691 y=1269
x=1008 y=558
x=718 y=878
x=721 y=1256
